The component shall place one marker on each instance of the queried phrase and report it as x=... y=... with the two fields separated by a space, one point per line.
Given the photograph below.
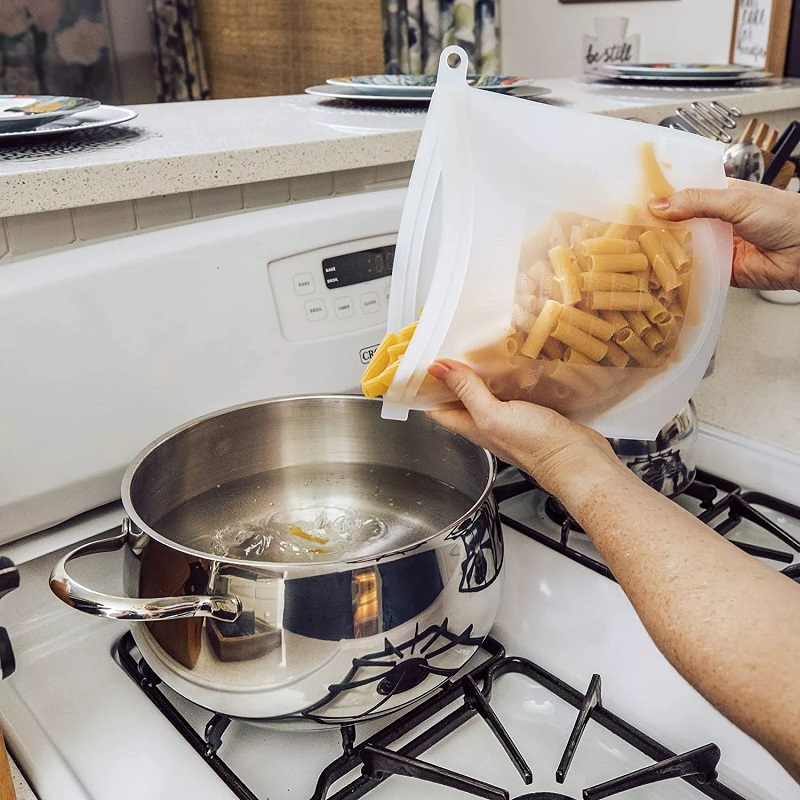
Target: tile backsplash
x=26 y=234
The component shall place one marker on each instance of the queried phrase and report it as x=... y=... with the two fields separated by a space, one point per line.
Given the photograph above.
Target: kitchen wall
x=132 y=49
x=542 y=38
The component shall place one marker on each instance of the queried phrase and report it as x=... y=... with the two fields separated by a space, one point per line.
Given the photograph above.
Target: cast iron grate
x=721 y=504
x=372 y=761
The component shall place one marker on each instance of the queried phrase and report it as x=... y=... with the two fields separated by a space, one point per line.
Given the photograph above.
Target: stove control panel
x=334 y=290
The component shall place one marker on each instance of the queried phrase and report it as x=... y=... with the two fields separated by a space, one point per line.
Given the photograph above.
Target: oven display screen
x=350 y=268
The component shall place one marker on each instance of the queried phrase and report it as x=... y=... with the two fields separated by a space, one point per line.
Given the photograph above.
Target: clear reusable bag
x=526 y=251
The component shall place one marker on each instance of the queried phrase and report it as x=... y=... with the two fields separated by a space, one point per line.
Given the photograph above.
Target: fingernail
x=659 y=203
x=438 y=370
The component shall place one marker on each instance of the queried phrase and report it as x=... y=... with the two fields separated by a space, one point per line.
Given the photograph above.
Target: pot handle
x=137 y=609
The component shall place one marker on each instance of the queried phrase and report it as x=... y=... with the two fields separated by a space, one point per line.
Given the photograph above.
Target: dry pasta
x=593 y=301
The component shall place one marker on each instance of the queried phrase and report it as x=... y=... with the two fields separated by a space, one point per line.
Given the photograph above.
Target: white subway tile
x=266 y=193
x=163 y=209
x=29 y=233
x=312 y=187
x=221 y=200
x=107 y=219
x=386 y=173
x=350 y=181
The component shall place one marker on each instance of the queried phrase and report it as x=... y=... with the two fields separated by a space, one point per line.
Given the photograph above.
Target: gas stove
x=83 y=709
x=131 y=334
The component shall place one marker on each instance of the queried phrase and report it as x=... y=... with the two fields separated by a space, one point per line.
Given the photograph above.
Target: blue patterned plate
x=24 y=112
x=422 y=85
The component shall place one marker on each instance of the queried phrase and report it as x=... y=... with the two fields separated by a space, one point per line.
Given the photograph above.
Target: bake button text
x=303 y=283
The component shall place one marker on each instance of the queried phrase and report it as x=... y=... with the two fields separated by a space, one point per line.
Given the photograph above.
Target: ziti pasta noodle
x=594 y=304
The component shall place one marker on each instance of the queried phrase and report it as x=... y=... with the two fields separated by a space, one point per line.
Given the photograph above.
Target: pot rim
x=302 y=567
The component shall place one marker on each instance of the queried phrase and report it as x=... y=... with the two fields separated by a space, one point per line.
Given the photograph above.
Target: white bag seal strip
x=505 y=165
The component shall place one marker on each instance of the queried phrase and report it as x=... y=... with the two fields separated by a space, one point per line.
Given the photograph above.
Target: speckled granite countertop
x=178 y=147
x=755 y=387
x=21 y=787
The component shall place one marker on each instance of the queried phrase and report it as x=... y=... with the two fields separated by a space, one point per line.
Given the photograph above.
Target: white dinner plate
x=696 y=80
x=99 y=117
x=331 y=92
x=24 y=112
x=678 y=70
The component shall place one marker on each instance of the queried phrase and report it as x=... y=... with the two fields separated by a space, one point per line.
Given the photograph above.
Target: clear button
x=303 y=283
x=315 y=310
x=370 y=303
x=343 y=306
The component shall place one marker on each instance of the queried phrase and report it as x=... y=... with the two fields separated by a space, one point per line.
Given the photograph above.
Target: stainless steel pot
x=334 y=639
x=666 y=464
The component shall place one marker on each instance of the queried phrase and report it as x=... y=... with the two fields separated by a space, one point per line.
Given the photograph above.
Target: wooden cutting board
x=6 y=781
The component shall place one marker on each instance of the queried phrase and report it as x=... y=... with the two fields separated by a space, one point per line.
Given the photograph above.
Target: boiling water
x=315 y=513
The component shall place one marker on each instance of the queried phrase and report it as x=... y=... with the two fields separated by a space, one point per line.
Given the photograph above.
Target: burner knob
x=9 y=580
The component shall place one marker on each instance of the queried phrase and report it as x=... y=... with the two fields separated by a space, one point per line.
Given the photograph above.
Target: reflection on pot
x=483 y=543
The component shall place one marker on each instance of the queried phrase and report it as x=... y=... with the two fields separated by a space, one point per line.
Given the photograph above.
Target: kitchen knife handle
x=781 y=151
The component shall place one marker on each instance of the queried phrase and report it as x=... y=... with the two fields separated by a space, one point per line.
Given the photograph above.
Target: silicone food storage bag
x=526 y=250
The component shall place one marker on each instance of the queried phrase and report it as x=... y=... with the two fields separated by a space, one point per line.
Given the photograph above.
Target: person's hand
x=565 y=458
x=766 y=226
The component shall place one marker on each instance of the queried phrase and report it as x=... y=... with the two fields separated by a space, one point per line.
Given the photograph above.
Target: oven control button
x=370 y=303
x=343 y=306
x=315 y=310
x=388 y=286
x=303 y=283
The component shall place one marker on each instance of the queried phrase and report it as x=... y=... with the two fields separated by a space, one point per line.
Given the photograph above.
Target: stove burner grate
x=470 y=695
x=723 y=505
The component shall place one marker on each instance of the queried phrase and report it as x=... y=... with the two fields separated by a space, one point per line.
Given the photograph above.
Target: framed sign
x=760 y=34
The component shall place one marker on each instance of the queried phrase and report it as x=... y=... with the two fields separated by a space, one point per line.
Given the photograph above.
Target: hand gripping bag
x=526 y=250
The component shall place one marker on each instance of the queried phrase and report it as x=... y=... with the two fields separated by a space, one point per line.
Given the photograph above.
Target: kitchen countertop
x=754 y=389
x=21 y=787
x=178 y=147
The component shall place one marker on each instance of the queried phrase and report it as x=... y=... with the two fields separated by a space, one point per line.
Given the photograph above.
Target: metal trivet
x=471 y=693
x=722 y=506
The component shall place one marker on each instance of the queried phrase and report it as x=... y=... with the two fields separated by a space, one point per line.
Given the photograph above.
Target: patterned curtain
x=179 y=64
x=416 y=31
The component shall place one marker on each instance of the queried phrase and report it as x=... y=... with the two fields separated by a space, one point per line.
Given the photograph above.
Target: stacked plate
x=694 y=74
x=416 y=89
x=23 y=115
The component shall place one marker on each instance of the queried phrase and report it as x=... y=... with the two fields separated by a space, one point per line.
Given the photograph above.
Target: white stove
x=132 y=330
